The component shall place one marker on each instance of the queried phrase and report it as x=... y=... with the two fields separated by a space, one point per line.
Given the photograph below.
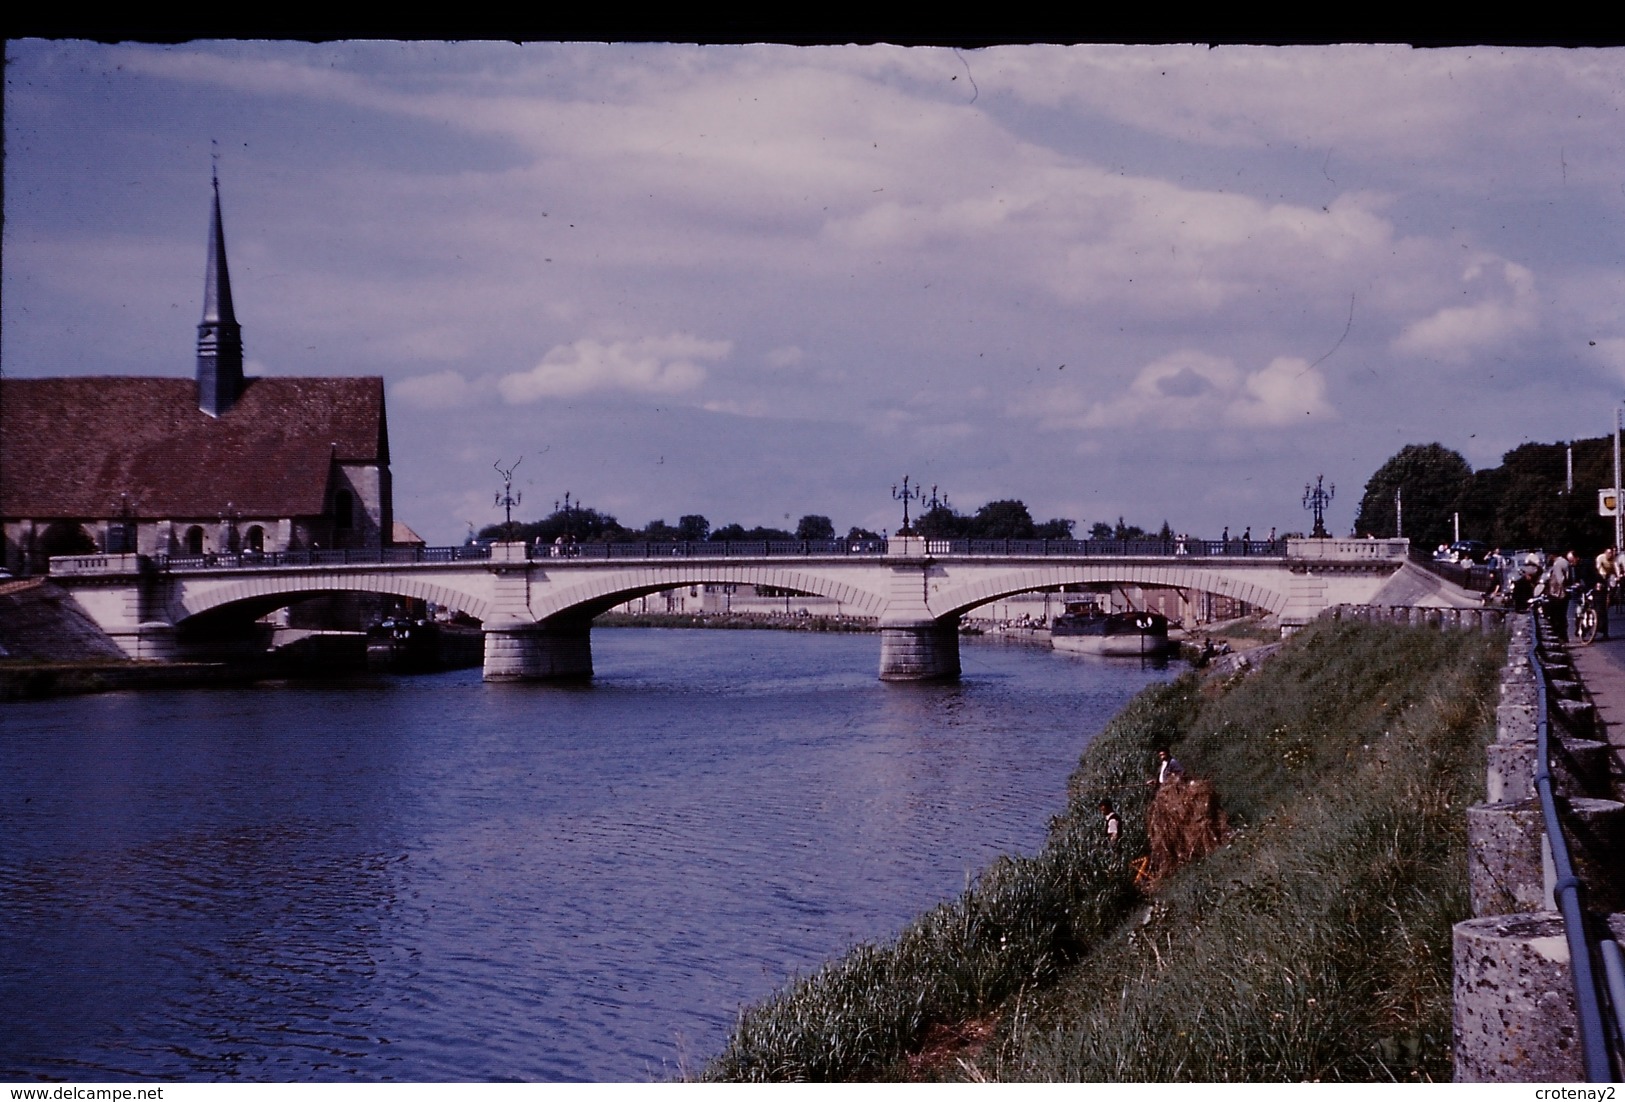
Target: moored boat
x=1115 y=634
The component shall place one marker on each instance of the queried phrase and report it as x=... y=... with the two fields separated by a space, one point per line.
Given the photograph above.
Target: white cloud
x=1194 y=390
x=1504 y=310
x=653 y=365
x=441 y=390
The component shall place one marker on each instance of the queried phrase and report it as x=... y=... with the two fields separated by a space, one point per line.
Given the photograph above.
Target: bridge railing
x=709 y=549
x=1480 y=579
x=367 y=556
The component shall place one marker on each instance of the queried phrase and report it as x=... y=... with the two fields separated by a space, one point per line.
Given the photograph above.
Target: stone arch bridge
x=537 y=612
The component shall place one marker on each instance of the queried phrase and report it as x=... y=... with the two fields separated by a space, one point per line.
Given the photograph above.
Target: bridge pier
x=925 y=651
x=520 y=650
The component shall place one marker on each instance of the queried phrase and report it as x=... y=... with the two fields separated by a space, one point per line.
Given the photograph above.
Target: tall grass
x=1315 y=946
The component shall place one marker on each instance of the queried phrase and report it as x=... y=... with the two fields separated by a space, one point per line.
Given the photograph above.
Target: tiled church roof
x=69 y=447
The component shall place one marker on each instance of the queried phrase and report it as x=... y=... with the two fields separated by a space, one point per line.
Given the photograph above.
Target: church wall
x=368 y=485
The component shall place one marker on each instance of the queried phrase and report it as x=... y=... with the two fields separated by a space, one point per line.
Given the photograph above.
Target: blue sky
x=756 y=282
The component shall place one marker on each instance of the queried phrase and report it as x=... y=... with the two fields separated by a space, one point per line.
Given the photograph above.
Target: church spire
x=219 y=337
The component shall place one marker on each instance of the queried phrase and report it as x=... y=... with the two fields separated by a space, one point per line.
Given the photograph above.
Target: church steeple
x=219 y=337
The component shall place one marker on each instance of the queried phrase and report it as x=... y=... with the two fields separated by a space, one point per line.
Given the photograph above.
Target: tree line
x=1526 y=502
x=1005 y=519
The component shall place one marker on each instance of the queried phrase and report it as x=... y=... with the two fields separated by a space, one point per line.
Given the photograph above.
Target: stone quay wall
x=1515 y=1016
x=1468 y=619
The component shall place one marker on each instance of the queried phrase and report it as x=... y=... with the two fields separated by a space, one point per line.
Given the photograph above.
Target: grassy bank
x=1315 y=945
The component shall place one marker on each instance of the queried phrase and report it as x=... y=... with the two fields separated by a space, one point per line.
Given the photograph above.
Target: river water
x=433 y=878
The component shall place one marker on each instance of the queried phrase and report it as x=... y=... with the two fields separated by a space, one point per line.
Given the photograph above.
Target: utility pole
x=1619 y=514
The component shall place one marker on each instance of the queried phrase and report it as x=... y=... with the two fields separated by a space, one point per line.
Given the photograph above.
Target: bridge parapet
x=79 y=565
x=1335 y=550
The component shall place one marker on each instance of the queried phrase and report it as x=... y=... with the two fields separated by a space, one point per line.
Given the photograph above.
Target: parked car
x=1467 y=551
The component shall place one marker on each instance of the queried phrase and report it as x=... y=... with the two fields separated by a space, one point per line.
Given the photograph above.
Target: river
x=432 y=878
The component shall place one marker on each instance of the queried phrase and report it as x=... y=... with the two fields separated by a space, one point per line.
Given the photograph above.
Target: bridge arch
x=600 y=592
x=1265 y=590
x=206 y=595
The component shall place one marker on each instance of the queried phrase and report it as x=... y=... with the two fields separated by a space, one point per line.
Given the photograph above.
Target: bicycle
x=1585 y=617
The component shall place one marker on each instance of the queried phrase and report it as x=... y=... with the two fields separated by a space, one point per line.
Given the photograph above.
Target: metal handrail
x=369 y=556
x=710 y=549
x=1567 y=890
x=1480 y=579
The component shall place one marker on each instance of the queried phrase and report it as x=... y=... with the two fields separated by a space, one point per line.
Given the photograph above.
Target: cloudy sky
x=756 y=282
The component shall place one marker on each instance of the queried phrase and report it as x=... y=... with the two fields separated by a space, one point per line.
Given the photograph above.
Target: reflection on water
x=433 y=878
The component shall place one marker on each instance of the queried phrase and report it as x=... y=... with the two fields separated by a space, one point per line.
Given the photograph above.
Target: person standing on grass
x=1114 y=825
x=1168 y=769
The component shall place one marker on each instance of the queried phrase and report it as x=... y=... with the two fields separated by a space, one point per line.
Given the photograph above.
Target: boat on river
x=1114 y=634
x=422 y=646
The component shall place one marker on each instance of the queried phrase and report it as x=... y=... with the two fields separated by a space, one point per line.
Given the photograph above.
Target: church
x=170 y=466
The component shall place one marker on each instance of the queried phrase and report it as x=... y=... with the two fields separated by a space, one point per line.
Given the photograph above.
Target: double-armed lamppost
x=228 y=527
x=907 y=495
x=507 y=498
x=1315 y=499
x=569 y=529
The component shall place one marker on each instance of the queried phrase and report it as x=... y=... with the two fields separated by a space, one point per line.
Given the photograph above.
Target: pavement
x=1601 y=667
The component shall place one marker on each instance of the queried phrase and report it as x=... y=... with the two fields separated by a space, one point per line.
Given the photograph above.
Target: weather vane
x=1315 y=499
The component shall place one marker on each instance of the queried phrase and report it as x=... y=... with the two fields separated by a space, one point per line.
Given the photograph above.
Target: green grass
x=1315 y=946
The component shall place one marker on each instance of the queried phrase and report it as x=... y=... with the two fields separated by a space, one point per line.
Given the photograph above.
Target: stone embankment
x=1515 y=1003
x=1469 y=619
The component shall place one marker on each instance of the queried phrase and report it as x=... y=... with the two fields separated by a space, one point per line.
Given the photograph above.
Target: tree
x=1526 y=502
x=693 y=527
x=586 y=525
x=1433 y=483
x=1128 y=531
x=814 y=527
x=1056 y=528
x=942 y=523
x=1002 y=520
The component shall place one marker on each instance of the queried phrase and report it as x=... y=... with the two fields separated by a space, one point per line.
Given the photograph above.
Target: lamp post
x=907 y=495
x=228 y=527
x=126 y=525
x=507 y=498
x=1619 y=514
x=1315 y=499
x=569 y=529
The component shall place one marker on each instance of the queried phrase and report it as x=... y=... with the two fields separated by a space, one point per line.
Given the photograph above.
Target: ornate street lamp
x=907 y=495
x=1315 y=499
x=507 y=498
